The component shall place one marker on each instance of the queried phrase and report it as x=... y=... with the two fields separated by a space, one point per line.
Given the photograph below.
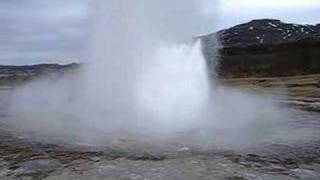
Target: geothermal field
x=160 y=97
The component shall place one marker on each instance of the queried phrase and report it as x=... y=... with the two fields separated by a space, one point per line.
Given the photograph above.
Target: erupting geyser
x=142 y=68
x=145 y=80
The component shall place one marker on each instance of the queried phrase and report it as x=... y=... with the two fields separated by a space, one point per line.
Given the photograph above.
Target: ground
x=22 y=157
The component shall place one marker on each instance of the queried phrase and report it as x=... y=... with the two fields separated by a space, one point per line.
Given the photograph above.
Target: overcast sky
x=48 y=31
x=295 y=11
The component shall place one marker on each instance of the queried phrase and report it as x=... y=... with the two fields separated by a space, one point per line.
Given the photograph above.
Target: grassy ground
x=302 y=91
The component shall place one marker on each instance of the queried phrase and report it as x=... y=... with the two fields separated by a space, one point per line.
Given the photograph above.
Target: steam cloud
x=144 y=81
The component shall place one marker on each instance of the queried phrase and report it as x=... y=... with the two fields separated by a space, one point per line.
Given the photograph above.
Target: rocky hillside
x=267 y=31
x=265 y=47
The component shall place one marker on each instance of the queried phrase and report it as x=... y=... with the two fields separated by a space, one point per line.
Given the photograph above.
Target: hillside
x=265 y=47
x=15 y=75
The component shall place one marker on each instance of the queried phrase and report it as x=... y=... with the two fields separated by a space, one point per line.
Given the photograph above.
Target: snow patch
x=273 y=25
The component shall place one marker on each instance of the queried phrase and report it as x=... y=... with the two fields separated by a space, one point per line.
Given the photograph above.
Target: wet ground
x=23 y=158
x=295 y=156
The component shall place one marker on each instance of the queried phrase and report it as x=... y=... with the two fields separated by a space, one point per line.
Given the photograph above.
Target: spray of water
x=146 y=82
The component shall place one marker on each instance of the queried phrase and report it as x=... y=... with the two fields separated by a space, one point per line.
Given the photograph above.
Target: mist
x=146 y=81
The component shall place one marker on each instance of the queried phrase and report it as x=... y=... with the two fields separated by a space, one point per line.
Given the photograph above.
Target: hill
x=264 y=47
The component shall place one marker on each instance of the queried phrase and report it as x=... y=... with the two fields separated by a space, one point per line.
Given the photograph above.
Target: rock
x=38 y=168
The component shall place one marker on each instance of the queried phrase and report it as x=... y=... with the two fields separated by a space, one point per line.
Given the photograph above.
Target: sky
x=294 y=11
x=57 y=31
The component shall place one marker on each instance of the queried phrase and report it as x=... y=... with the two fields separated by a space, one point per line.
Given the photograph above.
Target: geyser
x=145 y=82
x=142 y=69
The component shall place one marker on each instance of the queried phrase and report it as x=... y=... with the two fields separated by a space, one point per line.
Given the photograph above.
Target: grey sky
x=47 y=31
x=295 y=11
x=34 y=31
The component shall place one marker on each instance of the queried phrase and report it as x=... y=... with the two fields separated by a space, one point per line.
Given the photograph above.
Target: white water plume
x=144 y=81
